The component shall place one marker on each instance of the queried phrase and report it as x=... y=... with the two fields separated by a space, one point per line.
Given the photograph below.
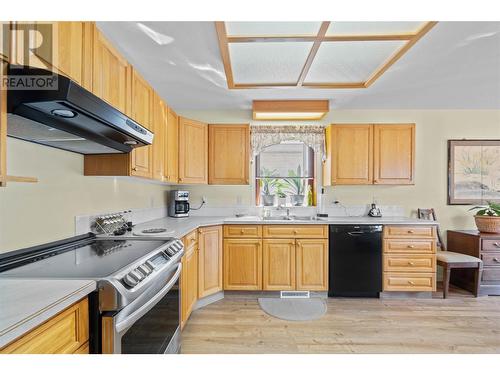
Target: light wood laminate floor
x=460 y=324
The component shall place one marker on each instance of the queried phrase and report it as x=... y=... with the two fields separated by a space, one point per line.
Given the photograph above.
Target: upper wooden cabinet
x=159 y=130
x=142 y=112
x=111 y=74
x=394 y=158
x=364 y=154
x=193 y=151
x=210 y=260
x=349 y=151
x=171 y=153
x=228 y=151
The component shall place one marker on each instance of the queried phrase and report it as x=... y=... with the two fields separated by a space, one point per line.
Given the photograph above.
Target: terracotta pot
x=488 y=224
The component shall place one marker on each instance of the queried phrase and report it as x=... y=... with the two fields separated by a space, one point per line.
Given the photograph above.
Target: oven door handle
x=137 y=314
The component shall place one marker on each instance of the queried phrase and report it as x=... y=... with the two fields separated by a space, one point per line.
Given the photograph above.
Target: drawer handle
x=496 y=260
x=411 y=282
x=410 y=246
x=411 y=263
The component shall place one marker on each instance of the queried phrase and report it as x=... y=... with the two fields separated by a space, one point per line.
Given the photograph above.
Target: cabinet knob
x=496 y=260
x=134 y=168
x=295 y=231
x=410 y=246
x=411 y=263
x=242 y=231
x=496 y=244
x=411 y=282
x=411 y=231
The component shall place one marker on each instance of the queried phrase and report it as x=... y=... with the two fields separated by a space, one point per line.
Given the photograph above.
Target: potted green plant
x=280 y=185
x=488 y=217
x=267 y=181
x=296 y=184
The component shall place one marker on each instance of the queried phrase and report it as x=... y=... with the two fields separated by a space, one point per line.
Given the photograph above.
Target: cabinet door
x=210 y=260
x=159 y=130
x=278 y=271
x=172 y=147
x=229 y=158
x=142 y=108
x=189 y=283
x=3 y=126
x=193 y=152
x=242 y=264
x=394 y=160
x=350 y=150
x=312 y=264
x=111 y=74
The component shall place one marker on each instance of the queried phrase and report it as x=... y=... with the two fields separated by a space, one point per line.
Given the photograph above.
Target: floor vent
x=294 y=294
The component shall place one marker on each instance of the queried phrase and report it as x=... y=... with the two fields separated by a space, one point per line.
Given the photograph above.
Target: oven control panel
x=140 y=273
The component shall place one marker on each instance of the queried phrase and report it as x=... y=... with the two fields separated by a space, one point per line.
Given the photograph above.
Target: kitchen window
x=285 y=175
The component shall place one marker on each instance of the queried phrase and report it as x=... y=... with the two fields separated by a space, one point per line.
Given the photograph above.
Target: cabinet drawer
x=491 y=274
x=409 y=231
x=295 y=231
x=248 y=231
x=190 y=240
x=491 y=245
x=491 y=259
x=410 y=246
x=409 y=282
x=409 y=263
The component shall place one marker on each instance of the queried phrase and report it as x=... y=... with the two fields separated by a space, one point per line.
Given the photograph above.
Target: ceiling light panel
x=268 y=62
x=272 y=28
x=372 y=28
x=349 y=61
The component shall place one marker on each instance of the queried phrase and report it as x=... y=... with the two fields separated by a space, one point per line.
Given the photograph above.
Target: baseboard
x=396 y=295
x=205 y=301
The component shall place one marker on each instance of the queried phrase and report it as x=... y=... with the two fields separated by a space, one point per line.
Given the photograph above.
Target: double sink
x=292 y=218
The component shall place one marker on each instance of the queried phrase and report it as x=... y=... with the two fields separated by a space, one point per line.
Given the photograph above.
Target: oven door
x=150 y=324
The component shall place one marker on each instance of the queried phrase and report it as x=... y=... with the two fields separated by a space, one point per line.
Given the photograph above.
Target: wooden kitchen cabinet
x=159 y=130
x=409 y=258
x=193 y=151
x=278 y=270
x=172 y=147
x=229 y=154
x=349 y=150
x=364 y=154
x=210 y=260
x=189 y=276
x=3 y=126
x=312 y=264
x=112 y=75
x=242 y=264
x=65 y=333
x=394 y=154
x=142 y=112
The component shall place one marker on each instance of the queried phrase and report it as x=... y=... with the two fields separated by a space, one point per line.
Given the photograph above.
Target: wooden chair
x=450 y=260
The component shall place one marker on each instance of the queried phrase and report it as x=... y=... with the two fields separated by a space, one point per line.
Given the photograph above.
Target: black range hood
x=67 y=116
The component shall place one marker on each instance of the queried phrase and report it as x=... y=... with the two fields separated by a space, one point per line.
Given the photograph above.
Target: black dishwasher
x=355 y=261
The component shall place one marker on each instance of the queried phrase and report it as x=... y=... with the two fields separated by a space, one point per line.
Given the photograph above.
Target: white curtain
x=263 y=136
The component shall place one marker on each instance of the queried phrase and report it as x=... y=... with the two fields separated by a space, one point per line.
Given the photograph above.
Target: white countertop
x=179 y=227
x=26 y=303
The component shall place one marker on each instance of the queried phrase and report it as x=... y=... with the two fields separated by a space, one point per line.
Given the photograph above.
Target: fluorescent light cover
x=289 y=115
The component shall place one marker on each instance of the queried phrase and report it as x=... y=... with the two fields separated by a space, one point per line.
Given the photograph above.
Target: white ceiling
x=455 y=66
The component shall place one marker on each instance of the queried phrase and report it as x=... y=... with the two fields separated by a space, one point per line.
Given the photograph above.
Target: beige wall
x=31 y=214
x=433 y=130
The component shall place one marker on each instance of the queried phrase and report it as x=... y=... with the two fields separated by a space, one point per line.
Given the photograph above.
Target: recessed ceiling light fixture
x=159 y=38
x=290 y=109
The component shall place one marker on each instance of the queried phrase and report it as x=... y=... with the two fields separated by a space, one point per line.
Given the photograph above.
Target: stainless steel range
x=137 y=306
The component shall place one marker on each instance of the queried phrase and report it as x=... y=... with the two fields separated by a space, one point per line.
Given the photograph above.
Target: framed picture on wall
x=473 y=171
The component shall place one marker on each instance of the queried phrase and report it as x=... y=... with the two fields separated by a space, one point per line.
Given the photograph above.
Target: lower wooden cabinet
x=409 y=260
x=242 y=264
x=210 y=260
x=65 y=333
x=278 y=271
x=312 y=264
x=189 y=282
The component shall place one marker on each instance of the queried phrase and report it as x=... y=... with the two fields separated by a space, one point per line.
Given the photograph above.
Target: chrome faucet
x=287 y=213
